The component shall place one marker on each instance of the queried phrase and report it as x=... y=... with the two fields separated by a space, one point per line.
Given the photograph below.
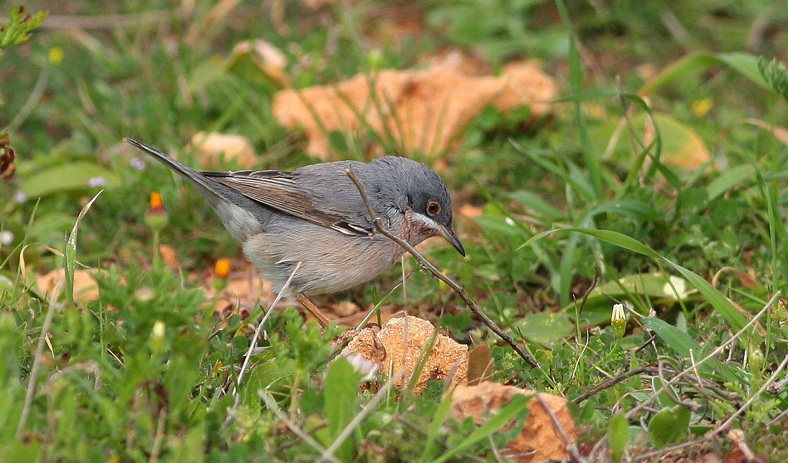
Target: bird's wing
x=280 y=191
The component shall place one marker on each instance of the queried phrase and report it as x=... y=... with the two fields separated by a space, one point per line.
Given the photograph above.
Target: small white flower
x=618 y=320
x=365 y=368
x=96 y=181
x=509 y=221
x=618 y=312
x=6 y=237
x=20 y=197
x=137 y=163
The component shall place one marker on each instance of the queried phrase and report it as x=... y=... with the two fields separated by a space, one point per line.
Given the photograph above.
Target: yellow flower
x=55 y=55
x=217 y=368
x=701 y=108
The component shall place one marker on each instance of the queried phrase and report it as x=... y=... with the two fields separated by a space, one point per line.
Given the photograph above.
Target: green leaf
x=274 y=375
x=665 y=392
x=513 y=409
x=71 y=250
x=618 y=435
x=533 y=201
x=729 y=179
x=628 y=207
x=682 y=344
x=339 y=395
x=590 y=155
x=658 y=287
x=669 y=426
x=652 y=285
x=746 y=64
x=440 y=416
x=775 y=75
x=680 y=145
x=723 y=306
x=73 y=176
x=695 y=63
x=499 y=224
x=546 y=327
x=19 y=27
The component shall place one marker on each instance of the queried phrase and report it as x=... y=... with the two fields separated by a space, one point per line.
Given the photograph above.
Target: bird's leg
x=314 y=310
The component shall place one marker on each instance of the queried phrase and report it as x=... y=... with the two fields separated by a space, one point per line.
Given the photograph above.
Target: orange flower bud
x=222 y=268
x=156 y=217
x=156 y=204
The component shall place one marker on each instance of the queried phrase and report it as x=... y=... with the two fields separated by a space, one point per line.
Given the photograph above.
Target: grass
x=578 y=212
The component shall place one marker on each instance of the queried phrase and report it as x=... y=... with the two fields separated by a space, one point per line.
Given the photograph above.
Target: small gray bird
x=315 y=215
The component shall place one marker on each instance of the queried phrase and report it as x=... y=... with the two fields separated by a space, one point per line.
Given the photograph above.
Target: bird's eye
x=433 y=207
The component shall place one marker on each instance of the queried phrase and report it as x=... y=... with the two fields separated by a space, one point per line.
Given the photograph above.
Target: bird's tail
x=240 y=215
x=208 y=187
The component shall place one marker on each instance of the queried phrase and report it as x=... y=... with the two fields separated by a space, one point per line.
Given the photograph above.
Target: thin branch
x=569 y=443
x=672 y=448
x=725 y=424
x=425 y=264
x=158 y=437
x=113 y=21
x=646 y=402
x=608 y=383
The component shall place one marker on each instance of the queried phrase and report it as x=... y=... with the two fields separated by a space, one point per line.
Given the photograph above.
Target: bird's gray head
x=412 y=185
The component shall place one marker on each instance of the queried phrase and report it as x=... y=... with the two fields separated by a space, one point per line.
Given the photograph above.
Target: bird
x=314 y=219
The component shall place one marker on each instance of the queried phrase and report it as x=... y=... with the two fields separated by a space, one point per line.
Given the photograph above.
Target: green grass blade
x=729 y=179
x=721 y=304
x=440 y=416
x=593 y=164
x=496 y=422
x=744 y=63
x=71 y=250
x=682 y=344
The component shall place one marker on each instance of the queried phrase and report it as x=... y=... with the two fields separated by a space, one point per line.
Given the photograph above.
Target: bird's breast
x=330 y=261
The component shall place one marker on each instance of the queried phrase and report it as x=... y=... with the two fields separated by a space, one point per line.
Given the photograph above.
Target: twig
x=158 y=438
x=611 y=382
x=777 y=418
x=725 y=424
x=112 y=21
x=672 y=448
x=670 y=392
x=569 y=444
x=425 y=264
x=646 y=402
x=495 y=450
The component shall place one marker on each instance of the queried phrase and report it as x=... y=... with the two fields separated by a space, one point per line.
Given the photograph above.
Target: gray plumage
x=315 y=215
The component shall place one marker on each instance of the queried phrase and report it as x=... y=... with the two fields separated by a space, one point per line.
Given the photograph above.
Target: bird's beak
x=448 y=234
